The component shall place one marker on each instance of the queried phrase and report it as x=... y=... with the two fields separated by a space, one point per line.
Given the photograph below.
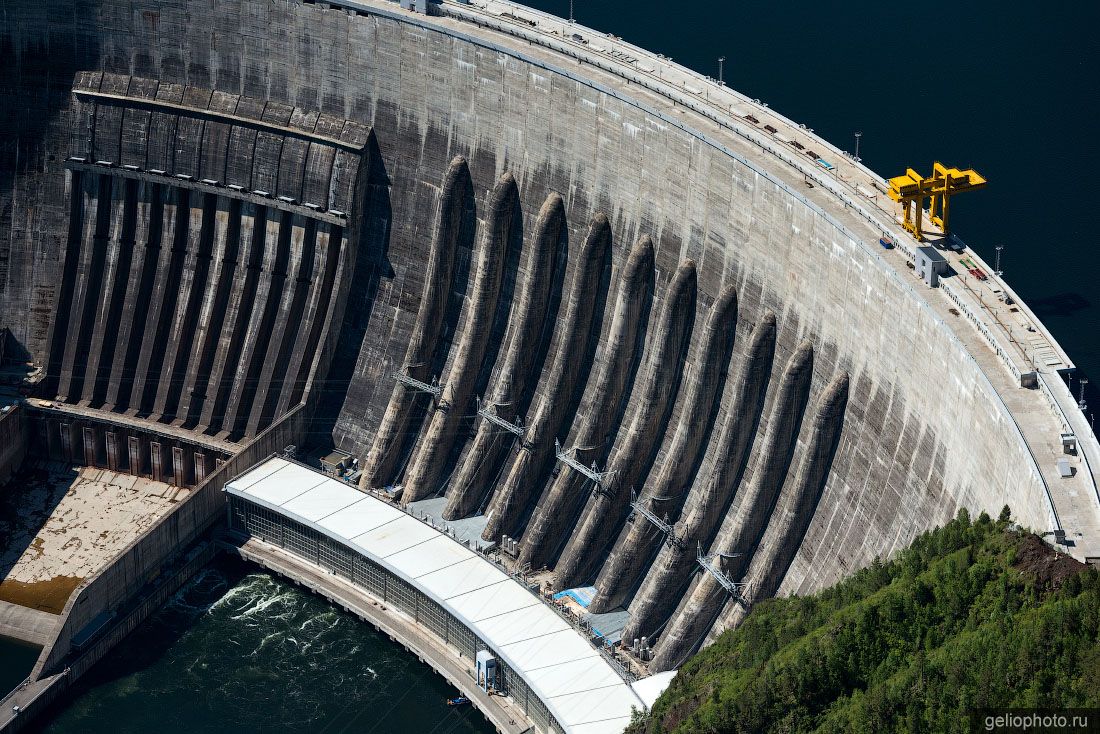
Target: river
x=243 y=651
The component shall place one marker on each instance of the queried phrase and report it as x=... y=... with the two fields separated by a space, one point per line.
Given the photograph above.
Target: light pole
x=858 y=136
x=998 y=266
x=722 y=70
x=571 y=12
x=1081 y=401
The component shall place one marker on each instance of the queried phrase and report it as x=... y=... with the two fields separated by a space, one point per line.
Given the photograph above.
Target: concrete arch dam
x=528 y=274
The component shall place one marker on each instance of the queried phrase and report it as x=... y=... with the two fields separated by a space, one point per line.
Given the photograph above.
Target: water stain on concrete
x=48 y=596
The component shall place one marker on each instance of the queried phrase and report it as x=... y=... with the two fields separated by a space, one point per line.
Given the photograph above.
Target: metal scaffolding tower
x=737 y=590
x=661 y=524
x=592 y=473
x=486 y=412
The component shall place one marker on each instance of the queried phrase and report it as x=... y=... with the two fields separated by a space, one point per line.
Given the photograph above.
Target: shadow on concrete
x=508 y=282
x=468 y=424
x=372 y=264
x=26 y=503
x=39 y=62
x=553 y=308
x=461 y=280
x=576 y=392
x=19 y=658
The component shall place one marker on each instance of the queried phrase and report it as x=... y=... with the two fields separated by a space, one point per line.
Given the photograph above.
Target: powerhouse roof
x=577 y=684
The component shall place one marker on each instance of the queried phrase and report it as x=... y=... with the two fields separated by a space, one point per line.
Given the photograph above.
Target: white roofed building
x=549 y=668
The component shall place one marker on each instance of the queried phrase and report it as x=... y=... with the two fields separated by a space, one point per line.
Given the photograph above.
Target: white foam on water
x=252 y=587
x=262 y=604
x=264 y=642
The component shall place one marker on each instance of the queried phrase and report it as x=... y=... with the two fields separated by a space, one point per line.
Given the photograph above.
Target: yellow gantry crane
x=912 y=189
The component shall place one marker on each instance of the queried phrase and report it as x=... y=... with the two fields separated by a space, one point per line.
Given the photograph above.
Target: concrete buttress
x=380 y=463
x=562 y=383
x=425 y=475
x=746 y=520
x=510 y=394
x=669 y=575
x=558 y=508
x=664 y=496
x=795 y=509
x=653 y=396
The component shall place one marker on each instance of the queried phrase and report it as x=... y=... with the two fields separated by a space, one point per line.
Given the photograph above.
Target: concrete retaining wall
x=142 y=563
x=140 y=448
x=13 y=441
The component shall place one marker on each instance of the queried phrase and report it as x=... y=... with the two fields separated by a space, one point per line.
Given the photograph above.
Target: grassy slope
x=971 y=615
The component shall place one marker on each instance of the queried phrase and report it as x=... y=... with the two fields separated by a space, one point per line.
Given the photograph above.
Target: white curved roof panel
x=577 y=684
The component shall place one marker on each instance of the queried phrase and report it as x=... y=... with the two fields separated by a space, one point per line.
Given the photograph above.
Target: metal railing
x=592 y=473
x=411 y=382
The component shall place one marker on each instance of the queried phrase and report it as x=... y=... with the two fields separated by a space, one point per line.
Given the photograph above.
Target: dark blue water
x=240 y=651
x=17 y=658
x=1006 y=87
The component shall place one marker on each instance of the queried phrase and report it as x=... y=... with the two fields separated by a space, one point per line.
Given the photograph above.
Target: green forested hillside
x=972 y=615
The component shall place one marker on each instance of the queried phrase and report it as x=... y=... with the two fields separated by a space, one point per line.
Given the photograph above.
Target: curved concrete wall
x=924 y=432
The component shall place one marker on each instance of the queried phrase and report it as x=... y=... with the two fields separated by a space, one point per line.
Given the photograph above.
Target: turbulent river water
x=242 y=651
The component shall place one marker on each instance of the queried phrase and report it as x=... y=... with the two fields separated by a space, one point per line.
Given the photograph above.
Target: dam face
x=499 y=269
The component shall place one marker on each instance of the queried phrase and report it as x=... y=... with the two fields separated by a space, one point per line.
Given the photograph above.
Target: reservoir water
x=1005 y=87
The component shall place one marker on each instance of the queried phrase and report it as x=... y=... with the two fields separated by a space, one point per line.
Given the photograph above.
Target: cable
x=380 y=719
x=448 y=715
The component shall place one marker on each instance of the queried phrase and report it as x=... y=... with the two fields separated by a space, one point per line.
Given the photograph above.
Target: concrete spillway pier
x=634 y=551
x=564 y=499
x=157 y=320
x=581 y=314
x=490 y=202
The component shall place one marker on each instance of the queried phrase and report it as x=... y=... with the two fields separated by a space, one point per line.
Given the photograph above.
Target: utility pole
x=858 y=136
x=722 y=70
x=998 y=266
